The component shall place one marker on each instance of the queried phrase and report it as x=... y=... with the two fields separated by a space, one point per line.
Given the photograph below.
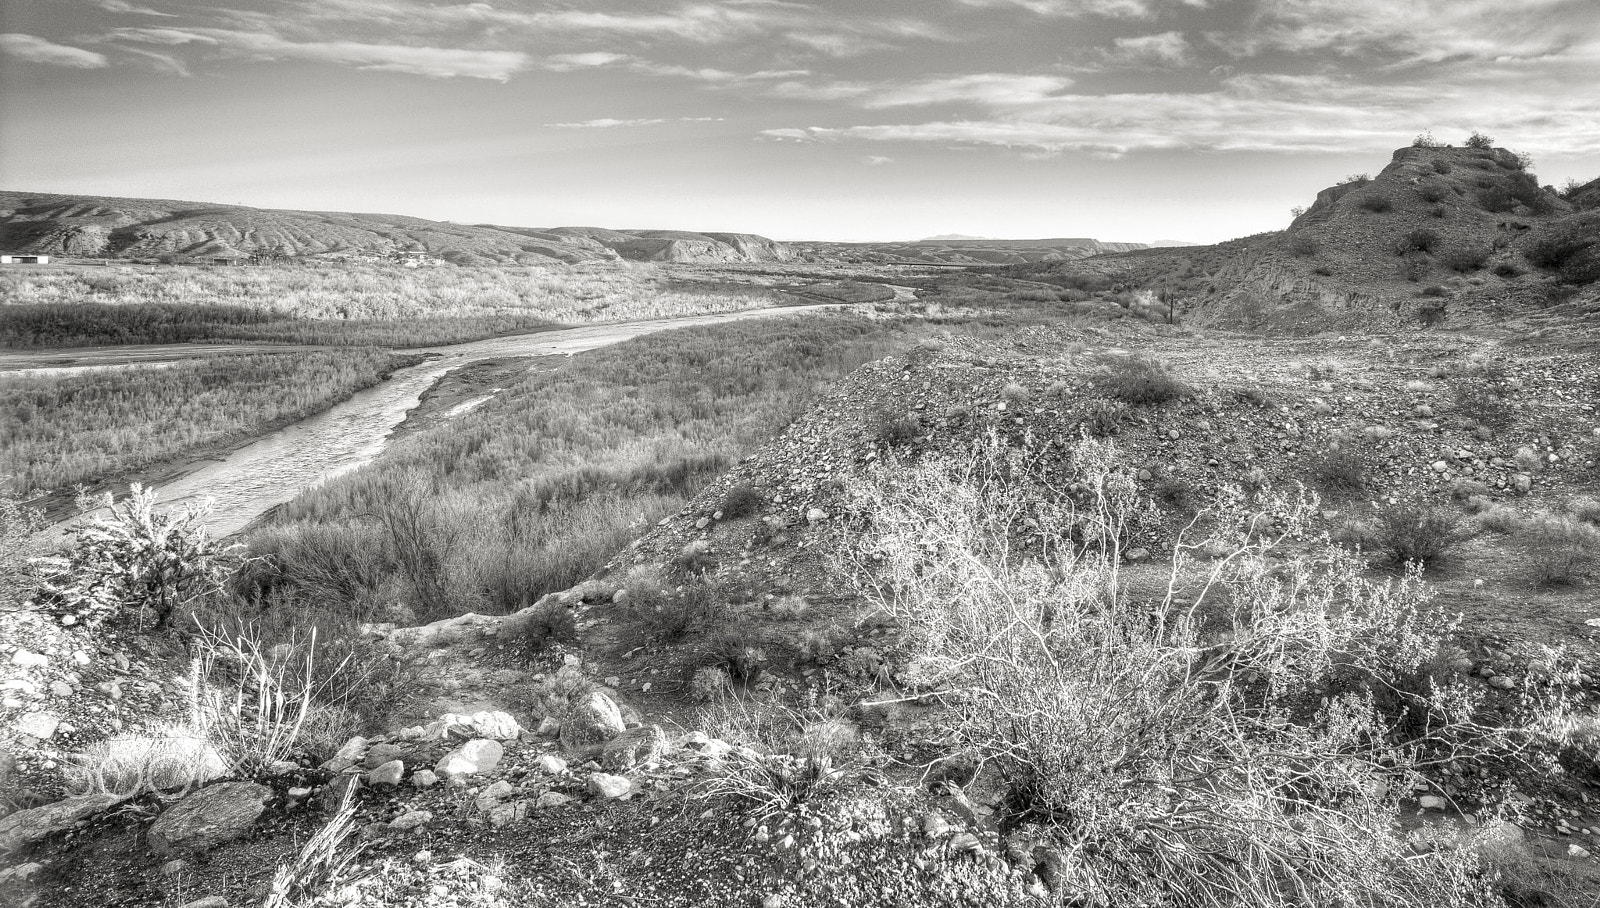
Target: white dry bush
x=254 y=703
x=136 y=560
x=1167 y=757
x=324 y=864
x=785 y=759
x=170 y=759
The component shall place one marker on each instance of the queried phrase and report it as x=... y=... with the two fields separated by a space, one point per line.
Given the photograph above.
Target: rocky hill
x=959 y=250
x=1450 y=236
x=94 y=227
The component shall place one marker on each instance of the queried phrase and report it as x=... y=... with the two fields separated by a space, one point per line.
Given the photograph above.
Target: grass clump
x=1466 y=258
x=1141 y=382
x=1340 y=472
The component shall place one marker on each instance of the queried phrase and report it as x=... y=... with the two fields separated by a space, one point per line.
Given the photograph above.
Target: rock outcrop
x=213 y=815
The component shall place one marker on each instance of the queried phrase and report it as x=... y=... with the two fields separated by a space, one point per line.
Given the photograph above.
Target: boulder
x=389 y=774
x=207 y=818
x=347 y=755
x=424 y=778
x=633 y=747
x=471 y=758
x=605 y=785
x=589 y=723
x=31 y=825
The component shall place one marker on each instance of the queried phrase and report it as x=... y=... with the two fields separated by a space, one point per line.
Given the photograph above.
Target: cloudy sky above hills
x=831 y=119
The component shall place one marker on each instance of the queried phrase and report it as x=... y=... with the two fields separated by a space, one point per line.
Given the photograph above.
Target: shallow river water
x=277 y=467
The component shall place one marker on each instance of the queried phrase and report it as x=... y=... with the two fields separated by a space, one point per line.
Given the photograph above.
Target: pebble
x=388 y=774
x=424 y=778
x=610 y=787
x=411 y=819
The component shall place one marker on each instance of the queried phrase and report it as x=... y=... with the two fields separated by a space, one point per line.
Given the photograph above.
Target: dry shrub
x=1557 y=550
x=1339 y=472
x=1166 y=764
x=1418 y=534
x=742 y=500
x=1142 y=382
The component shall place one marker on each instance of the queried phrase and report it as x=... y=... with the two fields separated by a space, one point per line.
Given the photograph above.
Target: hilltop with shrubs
x=1145 y=579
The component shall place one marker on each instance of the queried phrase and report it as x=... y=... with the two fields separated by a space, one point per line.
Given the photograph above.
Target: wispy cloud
x=1116 y=9
x=613 y=123
x=1165 y=49
x=876 y=160
x=987 y=89
x=435 y=62
x=37 y=50
x=122 y=6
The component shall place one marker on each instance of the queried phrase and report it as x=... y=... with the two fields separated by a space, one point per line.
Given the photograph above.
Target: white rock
x=27 y=659
x=411 y=819
x=424 y=778
x=389 y=774
x=1431 y=802
x=475 y=756
x=608 y=786
x=39 y=725
x=347 y=756
x=551 y=763
x=497 y=725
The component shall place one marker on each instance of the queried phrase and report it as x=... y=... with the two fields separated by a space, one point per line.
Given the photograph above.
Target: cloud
x=122 y=6
x=876 y=160
x=434 y=62
x=1113 y=9
x=37 y=50
x=986 y=89
x=162 y=63
x=568 y=62
x=1165 y=49
x=1270 y=113
x=612 y=123
x=1419 y=31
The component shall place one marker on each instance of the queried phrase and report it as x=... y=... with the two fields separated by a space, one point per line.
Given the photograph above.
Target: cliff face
x=77 y=226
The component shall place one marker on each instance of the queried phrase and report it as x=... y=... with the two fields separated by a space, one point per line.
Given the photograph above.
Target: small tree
x=136 y=561
x=1479 y=140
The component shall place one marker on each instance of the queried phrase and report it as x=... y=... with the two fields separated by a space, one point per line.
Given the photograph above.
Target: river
x=275 y=468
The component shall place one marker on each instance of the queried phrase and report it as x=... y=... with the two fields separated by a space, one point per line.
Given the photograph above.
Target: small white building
x=24 y=259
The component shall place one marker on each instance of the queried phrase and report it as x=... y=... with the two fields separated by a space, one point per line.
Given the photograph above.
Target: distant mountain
x=1168 y=244
x=964 y=251
x=100 y=227
x=951 y=236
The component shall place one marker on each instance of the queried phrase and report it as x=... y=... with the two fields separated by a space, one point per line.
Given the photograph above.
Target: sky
x=850 y=120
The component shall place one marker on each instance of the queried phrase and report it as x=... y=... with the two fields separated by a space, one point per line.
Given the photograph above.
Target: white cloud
x=37 y=50
x=876 y=160
x=987 y=89
x=434 y=62
x=122 y=6
x=612 y=123
x=1114 y=9
x=566 y=62
x=1165 y=49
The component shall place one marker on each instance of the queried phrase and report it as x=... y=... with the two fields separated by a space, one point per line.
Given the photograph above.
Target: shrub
x=1420 y=239
x=1418 y=534
x=1507 y=270
x=742 y=500
x=1479 y=140
x=1102 y=418
x=1558 y=550
x=1433 y=192
x=1178 y=767
x=17 y=572
x=1415 y=268
x=1431 y=314
x=1440 y=165
x=1377 y=203
x=1495 y=199
x=1466 y=258
x=1142 y=382
x=1339 y=473
x=738 y=651
x=1484 y=403
x=894 y=432
x=1433 y=290
x=136 y=561
x=1304 y=244
x=549 y=624
x=1425 y=139
x=1322 y=270
x=1585 y=508
x=1570 y=246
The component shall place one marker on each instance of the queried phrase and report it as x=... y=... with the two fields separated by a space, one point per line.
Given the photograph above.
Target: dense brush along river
x=275 y=468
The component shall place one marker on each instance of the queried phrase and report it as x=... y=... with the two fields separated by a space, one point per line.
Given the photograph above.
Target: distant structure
x=24 y=259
